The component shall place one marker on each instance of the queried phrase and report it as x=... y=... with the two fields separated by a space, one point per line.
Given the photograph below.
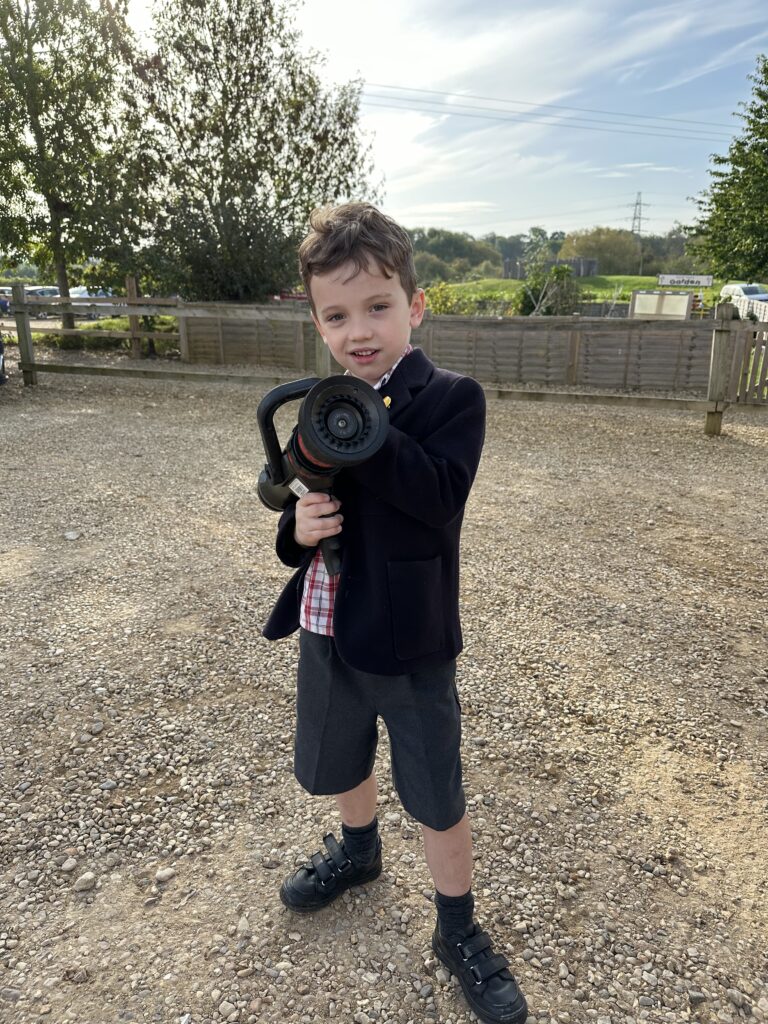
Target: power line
x=434 y=106
x=532 y=218
x=514 y=118
x=551 y=106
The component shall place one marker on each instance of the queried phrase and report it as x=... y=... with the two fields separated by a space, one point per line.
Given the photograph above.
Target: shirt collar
x=383 y=380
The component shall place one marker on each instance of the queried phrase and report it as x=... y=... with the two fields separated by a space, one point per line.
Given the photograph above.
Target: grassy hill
x=601 y=288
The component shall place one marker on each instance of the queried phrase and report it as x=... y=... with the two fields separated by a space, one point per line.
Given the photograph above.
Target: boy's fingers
x=320 y=511
x=315 y=497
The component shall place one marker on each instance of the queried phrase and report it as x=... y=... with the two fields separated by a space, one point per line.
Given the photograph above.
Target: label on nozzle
x=298 y=488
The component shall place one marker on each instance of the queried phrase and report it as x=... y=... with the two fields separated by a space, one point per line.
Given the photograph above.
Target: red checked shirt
x=320 y=589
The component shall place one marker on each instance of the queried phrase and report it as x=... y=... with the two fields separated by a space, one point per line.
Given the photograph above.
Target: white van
x=756 y=292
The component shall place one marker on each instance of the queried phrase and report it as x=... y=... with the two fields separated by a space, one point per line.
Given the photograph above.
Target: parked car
x=5 y=301
x=81 y=292
x=756 y=292
x=45 y=291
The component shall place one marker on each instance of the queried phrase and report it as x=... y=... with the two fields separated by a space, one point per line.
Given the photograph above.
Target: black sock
x=360 y=843
x=454 y=913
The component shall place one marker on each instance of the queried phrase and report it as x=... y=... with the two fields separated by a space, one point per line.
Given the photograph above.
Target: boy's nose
x=360 y=330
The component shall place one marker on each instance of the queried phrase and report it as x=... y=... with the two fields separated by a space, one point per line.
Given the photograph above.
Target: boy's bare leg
x=358 y=806
x=449 y=857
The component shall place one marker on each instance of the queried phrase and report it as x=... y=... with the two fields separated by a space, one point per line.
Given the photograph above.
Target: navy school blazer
x=397 y=604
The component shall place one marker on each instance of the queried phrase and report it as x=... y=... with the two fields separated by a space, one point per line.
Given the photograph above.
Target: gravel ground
x=615 y=696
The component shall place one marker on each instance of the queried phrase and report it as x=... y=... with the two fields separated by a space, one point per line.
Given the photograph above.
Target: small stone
x=696 y=998
x=72 y=535
x=108 y=785
x=85 y=882
x=244 y=928
x=69 y=865
x=443 y=975
x=225 y=1008
x=165 y=875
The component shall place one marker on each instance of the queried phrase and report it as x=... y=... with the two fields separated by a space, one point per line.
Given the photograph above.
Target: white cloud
x=464 y=169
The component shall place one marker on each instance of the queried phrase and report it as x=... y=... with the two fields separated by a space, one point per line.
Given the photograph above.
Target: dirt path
x=615 y=696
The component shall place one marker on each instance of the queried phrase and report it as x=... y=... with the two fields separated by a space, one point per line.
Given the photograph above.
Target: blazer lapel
x=408 y=379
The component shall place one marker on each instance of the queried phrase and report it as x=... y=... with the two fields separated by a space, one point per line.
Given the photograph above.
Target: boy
x=381 y=638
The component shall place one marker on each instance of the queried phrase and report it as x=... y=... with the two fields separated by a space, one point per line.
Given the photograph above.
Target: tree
x=63 y=175
x=248 y=142
x=616 y=250
x=511 y=247
x=733 y=211
x=456 y=248
x=547 y=292
x=430 y=269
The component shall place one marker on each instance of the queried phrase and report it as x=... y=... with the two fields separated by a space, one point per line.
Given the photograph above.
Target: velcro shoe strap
x=341 y=861
x=476 y=944
x=320 y=864
x=485 y=969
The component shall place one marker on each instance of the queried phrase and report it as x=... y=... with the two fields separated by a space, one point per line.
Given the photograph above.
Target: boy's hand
x=311 y=527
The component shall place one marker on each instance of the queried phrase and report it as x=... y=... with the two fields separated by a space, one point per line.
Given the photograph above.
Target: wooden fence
x=626 y=355
x=726 y=365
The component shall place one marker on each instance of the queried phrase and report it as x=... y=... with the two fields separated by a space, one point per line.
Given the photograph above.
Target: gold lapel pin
x=387 y=401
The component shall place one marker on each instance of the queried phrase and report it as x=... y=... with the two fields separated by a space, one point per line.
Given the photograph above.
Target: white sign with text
x=685 y=281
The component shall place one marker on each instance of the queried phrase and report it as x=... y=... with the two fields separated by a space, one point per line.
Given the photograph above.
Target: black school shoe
x=488 y=986
x=326 y=877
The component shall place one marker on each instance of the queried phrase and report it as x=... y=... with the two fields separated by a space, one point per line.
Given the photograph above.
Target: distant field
x=603 y=287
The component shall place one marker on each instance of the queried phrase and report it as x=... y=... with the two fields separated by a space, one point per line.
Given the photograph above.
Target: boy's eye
x=379 y=305
x=335 y=316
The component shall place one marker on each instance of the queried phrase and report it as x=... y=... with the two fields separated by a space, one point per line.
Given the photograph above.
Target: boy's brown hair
x=356 y=233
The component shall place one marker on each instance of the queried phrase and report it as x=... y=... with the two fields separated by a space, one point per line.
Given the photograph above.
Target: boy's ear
x=418 y=305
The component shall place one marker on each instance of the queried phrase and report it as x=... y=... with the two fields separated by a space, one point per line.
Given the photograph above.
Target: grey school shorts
x=337 y=708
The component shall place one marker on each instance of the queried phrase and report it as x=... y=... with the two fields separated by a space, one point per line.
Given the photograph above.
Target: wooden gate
x=749 y=368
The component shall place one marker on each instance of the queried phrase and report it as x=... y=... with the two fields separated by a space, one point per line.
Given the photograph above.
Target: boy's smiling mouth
x=363 y=355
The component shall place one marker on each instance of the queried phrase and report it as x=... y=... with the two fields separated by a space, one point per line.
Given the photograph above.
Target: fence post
x=719 y=369
x=132 y=291
x=24 y=335
x=574 y=348
x=181 y=320
x=322 y=357
x=427 y=334
x=298 y=345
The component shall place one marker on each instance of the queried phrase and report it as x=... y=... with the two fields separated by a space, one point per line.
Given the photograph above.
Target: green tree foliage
x=511 y=247
x=733 y=211
x=248 y=142
x=430 y=269
x=64 y=177
x=616 y=250
x=458 y=251
x=547 y=292
x=538 y=246
x=672 y=253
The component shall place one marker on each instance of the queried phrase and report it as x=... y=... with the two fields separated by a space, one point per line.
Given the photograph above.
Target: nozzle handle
x=329 y=546
x=265 y=415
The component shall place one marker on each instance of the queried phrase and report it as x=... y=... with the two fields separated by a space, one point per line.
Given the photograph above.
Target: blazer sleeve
x=430 y=479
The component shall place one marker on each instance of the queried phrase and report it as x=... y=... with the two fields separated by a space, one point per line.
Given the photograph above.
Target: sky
x=496 y=115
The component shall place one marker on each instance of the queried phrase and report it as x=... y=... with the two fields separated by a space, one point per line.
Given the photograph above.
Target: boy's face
x=365 y=319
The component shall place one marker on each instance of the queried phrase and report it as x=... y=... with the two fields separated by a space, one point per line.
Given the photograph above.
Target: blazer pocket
x=416 y=601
